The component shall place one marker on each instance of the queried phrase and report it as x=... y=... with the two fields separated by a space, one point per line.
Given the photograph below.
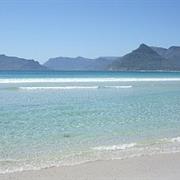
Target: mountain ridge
x=144 y=58
x=78 y=63
x=16 y=63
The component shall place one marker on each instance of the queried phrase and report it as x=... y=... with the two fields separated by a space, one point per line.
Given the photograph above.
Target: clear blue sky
x=40 y=29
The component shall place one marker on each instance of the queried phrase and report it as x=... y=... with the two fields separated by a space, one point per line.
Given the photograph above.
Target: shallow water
x=64 y=118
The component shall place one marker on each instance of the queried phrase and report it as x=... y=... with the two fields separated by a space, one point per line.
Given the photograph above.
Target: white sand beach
x=154 y=167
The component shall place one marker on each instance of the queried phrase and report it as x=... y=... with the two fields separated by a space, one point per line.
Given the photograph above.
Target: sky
x=42 y=29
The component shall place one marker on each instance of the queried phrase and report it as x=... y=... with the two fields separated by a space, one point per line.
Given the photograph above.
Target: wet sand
x=154 y=167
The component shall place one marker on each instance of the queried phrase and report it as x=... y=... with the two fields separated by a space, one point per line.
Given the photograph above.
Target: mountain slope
x=15 y=63
x=143 y=58
x=79 y=63
x=172 y=55
x=160 y=50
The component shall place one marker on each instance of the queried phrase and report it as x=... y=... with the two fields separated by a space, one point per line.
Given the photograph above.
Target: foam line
x=59 y=88
x=115 y=147
x=71 y=80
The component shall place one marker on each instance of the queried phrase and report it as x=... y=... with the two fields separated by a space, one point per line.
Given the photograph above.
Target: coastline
x=77 y=125
x=149 y=167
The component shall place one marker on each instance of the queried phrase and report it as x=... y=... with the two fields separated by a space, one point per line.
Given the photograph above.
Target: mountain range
x=144 y=58
x=79 y=63
x=15 y=63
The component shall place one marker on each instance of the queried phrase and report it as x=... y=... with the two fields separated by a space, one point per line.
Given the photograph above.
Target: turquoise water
x=65 y=118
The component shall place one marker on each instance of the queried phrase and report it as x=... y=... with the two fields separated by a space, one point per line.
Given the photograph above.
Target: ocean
x=56 y=118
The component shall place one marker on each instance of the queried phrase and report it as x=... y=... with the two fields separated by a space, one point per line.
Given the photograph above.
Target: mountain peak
x=143 y=58
x=143 y=48
x=80 y=57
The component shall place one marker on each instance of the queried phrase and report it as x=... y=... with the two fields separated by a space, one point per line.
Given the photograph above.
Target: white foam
x=71 y=87
x=68 y=80
x=115 y=147
x=59 y=88
x=171 y=140
x=176 y=139
x=118 y=87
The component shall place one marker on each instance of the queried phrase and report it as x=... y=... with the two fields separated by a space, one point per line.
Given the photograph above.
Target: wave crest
x=115 y=147
x=71 y=80
x=72 y=87
x=176 y=139
x=59 y=88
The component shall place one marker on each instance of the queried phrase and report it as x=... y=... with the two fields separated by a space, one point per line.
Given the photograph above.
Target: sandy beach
x=154 y=167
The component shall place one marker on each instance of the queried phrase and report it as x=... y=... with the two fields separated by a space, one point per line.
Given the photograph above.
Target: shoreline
x=148 y=167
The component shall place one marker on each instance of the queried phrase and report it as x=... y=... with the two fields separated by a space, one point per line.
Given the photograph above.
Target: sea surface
x=65 y=118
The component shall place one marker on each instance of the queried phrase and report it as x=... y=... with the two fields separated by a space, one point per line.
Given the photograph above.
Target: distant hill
x=79 y=63
x=15 y=63
x=160 y=50
x=172 y=55
x=143 y=58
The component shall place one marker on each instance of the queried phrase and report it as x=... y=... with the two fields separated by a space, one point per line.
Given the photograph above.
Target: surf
x=82 y=80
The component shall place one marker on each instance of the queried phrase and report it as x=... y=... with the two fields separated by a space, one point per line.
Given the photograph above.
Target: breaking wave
x=70 y=80
x=115 y=147
x=59 y=88
x=72 y=87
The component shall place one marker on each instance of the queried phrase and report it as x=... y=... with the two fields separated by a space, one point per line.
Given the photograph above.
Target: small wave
x=21 y=169
x=167 y=140
x=118 y=87
x=115 y=147
x=103 y=152
x=59 y=88
x=71 y=87
x=176 y=139
x=70 y=80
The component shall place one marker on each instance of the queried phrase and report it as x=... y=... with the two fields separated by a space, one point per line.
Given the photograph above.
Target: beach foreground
x=160 y=167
